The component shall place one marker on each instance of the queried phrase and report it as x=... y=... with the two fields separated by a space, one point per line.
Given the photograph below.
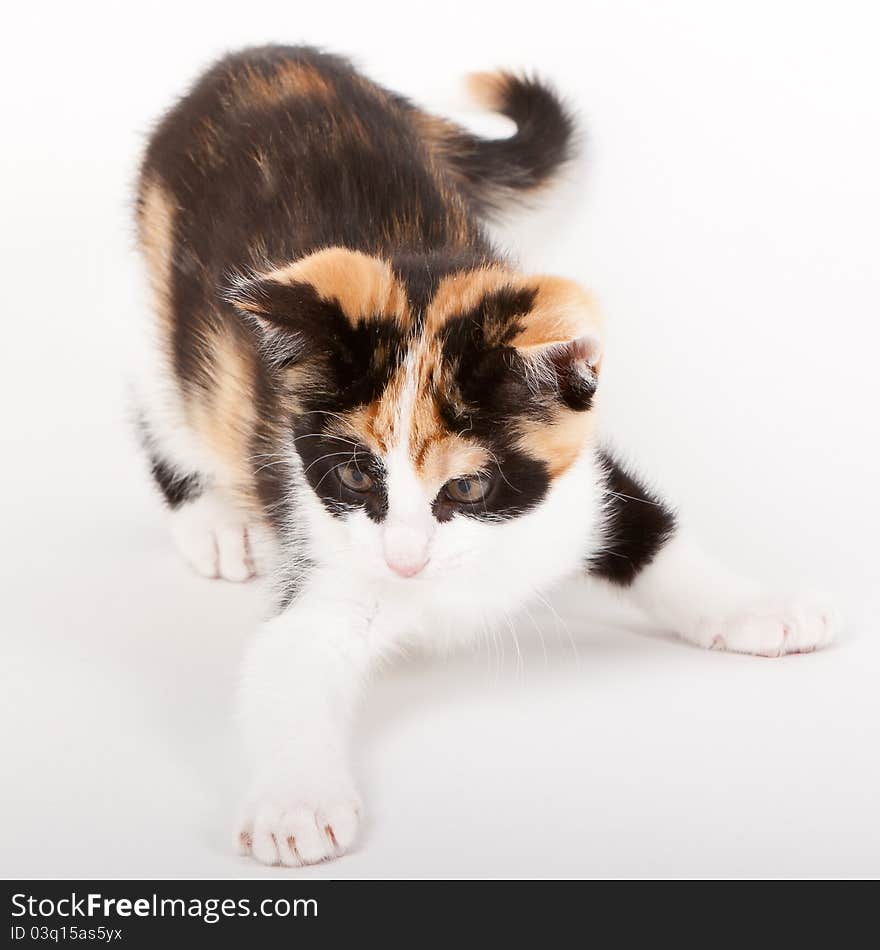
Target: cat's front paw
x=217 y=541
x=771 y=628
x=298 y=833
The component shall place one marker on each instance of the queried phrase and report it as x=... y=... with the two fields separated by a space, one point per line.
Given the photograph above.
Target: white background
x=728 y=215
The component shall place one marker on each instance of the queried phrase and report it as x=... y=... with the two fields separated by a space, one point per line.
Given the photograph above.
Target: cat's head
x=429 y=406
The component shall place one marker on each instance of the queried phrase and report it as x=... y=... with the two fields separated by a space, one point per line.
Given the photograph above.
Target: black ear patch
x=476 y=347
x=298 y=321
x=566 y=369
x=493 y=373
x=357 y=361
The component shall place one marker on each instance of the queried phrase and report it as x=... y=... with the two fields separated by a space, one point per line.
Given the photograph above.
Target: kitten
x=352 y=389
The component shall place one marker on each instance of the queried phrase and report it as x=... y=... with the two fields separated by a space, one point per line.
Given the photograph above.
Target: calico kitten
x=353 y=389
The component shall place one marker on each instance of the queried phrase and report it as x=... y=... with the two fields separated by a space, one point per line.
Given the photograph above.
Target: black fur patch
x=543 y=142
x=518 y=483
x=487 y=371
x=323 y=454
x=637 y=525
x=575 y=389
x=356 y=361
x=176 y=488
x=421 y=276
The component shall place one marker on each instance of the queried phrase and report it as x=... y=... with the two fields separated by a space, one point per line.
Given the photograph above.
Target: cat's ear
x=561 y=341
x=313 y=305
x=295 y=321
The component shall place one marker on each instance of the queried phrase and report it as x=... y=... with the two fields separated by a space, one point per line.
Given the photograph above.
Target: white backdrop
x=726 y=214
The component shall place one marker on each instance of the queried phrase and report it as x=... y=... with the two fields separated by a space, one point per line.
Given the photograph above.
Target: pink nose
x=405 y=549
x=406 y=568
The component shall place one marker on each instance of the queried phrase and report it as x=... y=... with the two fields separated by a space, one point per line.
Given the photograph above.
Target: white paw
x=298 y=833
x=217 y=541
x=773 y=628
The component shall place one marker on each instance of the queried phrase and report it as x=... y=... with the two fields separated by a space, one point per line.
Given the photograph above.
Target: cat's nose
x=406 y=550
x=406 y=568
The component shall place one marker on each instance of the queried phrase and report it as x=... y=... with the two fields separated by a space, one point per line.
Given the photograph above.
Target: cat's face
x=428 y=412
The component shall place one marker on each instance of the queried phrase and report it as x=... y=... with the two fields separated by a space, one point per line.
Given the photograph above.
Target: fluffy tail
x=493 y=171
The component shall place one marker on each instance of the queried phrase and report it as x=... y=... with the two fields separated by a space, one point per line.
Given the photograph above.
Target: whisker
x=560 y=622
x=325 y=435
x=644 y=501
x=540 y=633
x=335 y=468
x=520 y=663
x=265 y=465
x=329 y=455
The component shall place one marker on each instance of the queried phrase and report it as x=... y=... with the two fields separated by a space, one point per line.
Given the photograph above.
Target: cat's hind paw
x=772 y=628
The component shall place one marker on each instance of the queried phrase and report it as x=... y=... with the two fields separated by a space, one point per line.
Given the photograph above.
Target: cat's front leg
x=302 y=676
x=690 y=593
x=647 y=555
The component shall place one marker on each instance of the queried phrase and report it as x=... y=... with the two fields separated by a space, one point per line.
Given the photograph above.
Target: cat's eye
x=355 y=479
x=467 y=490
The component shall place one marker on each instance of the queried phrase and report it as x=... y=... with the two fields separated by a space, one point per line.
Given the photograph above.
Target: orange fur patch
x=450 y=457
x=489 y=89
x=559 y=443
x=156 y=233
x=288 y=80
x=364 y=287
x=563 y=311
x=462 y=292
x=224 y=414
x=361 y=424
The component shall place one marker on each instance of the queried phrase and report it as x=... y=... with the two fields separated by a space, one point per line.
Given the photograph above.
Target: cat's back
x=279 y=150
x=250 y=109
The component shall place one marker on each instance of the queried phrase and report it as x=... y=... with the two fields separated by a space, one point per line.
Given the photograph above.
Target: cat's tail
x=494 y=171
